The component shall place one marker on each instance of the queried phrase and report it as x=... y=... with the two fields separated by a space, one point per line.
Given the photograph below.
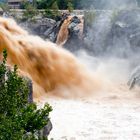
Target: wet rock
x=39 y=25
x=46 y=130
x=75 y=20
x=134 y=78
x=74 y=41
x=73 y=28
x=51 y=33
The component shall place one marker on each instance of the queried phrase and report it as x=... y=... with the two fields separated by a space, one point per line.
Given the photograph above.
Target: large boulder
x=39 y=25
x=134 y=78
x=52 y=33
x=75 y=33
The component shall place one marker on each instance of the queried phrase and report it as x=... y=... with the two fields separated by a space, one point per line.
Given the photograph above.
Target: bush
x=30 y=11
x=70 y=7
x=5 y=7
x=19 y=119
x=53 y=12
x=23 y=4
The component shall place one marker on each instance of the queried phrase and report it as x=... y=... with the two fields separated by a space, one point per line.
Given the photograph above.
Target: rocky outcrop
x=75 y=34
x=38 y=26
x=134 y=78
x=52 y=30
x=46 y=130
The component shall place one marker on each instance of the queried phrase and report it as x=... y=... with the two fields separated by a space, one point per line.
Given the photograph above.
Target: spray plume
x=51 y=68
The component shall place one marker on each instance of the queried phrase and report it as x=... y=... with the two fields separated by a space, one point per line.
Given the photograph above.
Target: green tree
x=62 y=4
x=30 y=11
x=53 y=11
x=70 y=6
x=5 y=7
x=19 y=119
x=44 y=4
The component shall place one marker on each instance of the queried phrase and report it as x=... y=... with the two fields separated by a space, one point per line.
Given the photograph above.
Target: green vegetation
x=4 y=7
x=30 y=11
x=70 y=6
x=19 y=119
x=53 y=12
x=49 y=4
x=65 y=4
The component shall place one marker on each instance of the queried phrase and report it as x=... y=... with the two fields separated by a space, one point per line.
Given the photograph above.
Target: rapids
x=52 y=69
x=105 y=110
x=63 y=34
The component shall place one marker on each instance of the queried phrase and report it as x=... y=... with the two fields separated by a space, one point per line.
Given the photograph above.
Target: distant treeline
x=77 y=4
x=82 y=4
x=61 y=4
x=64 y=4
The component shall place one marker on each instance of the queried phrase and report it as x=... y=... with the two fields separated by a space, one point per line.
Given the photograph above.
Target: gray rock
x=74 y=42
x=51 y=33
x=76 y=20
x=134 y=78
x=73 y=25
x=48 y=31
x=39 y=25
x=47 y=129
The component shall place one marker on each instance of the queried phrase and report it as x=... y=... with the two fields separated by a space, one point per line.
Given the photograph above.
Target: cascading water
x=70 y=23
x=63 y=32
x=51 y=68
x=110 y=49
x=110 y=107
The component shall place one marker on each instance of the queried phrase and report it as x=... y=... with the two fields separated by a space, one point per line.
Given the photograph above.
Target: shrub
x=5 y=7
x=30 y=11
x=53 y=12
x=70 y=7
x=23 y=4
x=19 y=119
